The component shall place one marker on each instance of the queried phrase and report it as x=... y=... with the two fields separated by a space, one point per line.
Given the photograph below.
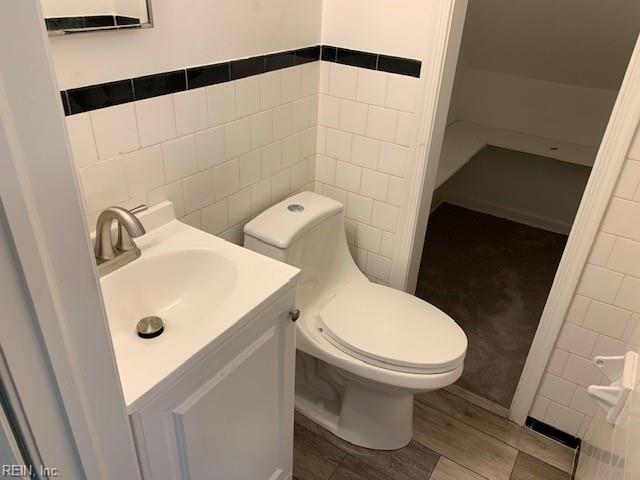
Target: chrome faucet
x=110 y=257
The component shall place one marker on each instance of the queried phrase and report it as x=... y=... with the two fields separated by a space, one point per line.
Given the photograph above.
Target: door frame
x=441 y=59
x=55 y=266
x=432 y=122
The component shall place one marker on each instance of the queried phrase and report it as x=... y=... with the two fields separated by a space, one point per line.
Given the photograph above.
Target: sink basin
x=179 y=287
x=202 y=287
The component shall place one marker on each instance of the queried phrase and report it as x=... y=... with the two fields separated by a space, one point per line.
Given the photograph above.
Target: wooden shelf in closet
x=462 y=140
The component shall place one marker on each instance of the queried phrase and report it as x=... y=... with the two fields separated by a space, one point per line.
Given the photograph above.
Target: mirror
x=71 y=16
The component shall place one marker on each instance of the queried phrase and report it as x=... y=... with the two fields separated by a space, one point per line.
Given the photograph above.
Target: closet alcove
x=534 y=88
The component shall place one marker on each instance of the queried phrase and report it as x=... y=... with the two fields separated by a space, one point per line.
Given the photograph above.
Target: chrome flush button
x=295 y=208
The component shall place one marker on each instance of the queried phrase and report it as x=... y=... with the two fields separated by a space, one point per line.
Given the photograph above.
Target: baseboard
x=435 y=204
x=513 y=214
x=552 y=432
x=436 y=200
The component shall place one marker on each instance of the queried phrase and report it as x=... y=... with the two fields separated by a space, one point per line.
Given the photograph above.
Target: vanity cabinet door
x=231 y=418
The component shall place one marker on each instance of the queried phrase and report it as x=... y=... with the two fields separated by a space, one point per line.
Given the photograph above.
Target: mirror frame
x=147 y=24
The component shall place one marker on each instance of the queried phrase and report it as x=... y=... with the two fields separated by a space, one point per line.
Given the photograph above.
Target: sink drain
x=150 y=327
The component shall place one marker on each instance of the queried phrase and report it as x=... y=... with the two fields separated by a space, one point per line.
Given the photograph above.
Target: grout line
x=337 y=466
x=461 y=466
x=521 y=429
x=133 y=92
x=479 y=406
x=514 y=465
x=469 y=425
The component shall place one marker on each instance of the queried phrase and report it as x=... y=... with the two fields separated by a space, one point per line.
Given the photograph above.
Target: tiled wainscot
x=366 y=129
x=605 y=312
x=226 y=141
x=220 y=153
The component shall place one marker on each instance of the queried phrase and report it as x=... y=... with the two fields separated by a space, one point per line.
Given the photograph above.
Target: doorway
x=528 y=112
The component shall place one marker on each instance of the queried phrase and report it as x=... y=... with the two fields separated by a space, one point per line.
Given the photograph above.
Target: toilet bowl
x=363 y=349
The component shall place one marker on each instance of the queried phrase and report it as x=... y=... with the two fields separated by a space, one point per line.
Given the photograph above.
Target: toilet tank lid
x=281 y=224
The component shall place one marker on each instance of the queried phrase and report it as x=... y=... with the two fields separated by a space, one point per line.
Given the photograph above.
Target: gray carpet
x=492 y=276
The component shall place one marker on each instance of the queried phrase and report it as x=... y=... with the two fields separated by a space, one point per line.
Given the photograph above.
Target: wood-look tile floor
x=453 y=440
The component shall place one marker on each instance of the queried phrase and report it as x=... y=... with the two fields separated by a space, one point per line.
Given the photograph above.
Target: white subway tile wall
x=611 y=451
x=604 y=314
x=221 y=154
x=224 y=153
x=366 y=121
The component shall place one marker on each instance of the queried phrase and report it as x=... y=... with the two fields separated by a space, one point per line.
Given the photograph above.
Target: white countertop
x=145 y=365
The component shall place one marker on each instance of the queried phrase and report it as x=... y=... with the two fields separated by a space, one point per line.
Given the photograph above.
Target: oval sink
x=184 y=286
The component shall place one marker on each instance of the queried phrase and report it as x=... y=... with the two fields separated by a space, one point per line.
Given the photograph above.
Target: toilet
x=363 y=349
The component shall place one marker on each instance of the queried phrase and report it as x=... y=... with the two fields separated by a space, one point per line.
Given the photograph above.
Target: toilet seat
x=392 y=329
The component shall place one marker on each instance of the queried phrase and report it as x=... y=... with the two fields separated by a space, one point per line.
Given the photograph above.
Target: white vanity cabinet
x=229 y=416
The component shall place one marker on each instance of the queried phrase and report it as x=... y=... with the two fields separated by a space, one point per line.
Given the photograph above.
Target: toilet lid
x=392 y=329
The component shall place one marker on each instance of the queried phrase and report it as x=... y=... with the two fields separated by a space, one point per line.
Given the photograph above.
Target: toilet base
x=361 y=412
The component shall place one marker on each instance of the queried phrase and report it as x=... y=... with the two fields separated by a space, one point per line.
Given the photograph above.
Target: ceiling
x=581 y=42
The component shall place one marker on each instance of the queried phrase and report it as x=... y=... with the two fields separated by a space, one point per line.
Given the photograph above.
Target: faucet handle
x=140 y=208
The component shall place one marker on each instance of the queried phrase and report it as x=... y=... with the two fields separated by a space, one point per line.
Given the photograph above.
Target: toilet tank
x=307 y=231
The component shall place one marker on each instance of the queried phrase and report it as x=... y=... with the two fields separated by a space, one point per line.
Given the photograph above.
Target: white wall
x=604 y=315
x=530 y=189
x=399 y=28
x=72 y=8
x=545 y=68
x=576 y=42
x=206 y=32
x=571 y=113
x=132 y=8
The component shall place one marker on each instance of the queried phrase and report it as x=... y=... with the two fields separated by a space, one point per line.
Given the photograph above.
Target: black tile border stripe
x=373 y=61
x=104 y=95
x=329 y=53
x=151 y=86
x=208 y=75
x=276 y=61
x=552 y=432
x=93 y=97
x=247 y=67
x=402 y=66
x=356 y=58
x=307 y=55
